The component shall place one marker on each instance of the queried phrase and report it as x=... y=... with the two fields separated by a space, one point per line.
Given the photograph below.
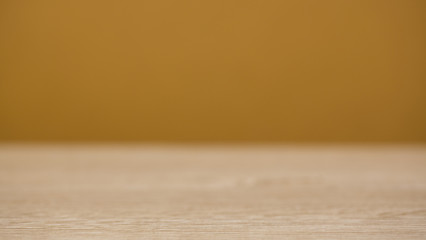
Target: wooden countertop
x=212 y=192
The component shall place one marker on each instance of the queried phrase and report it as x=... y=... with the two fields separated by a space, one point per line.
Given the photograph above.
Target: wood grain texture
x=202 y=192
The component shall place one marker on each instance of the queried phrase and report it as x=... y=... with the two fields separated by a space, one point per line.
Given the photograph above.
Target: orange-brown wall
x=213 y=70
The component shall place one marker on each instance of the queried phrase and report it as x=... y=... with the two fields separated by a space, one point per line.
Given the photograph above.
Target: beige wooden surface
x=201 y=192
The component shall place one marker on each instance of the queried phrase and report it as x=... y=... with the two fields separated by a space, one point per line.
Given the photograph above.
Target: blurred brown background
x=234 y=70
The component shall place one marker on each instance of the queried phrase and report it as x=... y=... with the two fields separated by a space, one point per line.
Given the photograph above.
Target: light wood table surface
x=212 y=192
